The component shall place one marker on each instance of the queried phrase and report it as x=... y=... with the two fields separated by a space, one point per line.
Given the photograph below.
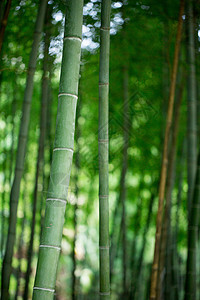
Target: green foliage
x=149 y=47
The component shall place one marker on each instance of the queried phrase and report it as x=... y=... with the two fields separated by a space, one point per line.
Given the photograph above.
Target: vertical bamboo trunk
x=4 y=22
x=123 y=178
x=154 y=274
x=14 y=103
x=114 y=235
x=7 y=171
x=40 y=156
x=77 y=165
x=3 y=198
x=133 y=260
x=176 y=287
x=192 y=105
x=103 y=151
x=21 y=240
x=21 y=149
x=170 y=250
x=48 y=144
x=169 y=188
x=49 y=252
x=138 y=272
x=190 y=282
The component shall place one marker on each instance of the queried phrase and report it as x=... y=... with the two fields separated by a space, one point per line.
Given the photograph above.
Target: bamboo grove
x=99 y=149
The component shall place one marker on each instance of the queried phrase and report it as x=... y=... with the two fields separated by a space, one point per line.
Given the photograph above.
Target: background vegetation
x=142 y=43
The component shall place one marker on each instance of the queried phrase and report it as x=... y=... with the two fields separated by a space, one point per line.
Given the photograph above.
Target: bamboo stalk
x=190 y=281
x=154 y=274
x=40 y=155
x=138 y=269
x=77 y=165
x=49 y=252
x=103 y=151
x=169 y=188
x=21 y=149
x=123 y=178
x=192 y=106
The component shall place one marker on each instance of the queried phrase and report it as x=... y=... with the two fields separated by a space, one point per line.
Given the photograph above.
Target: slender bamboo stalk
x=136 y=228
x=124 y=171
x=40 y=155
x=192 y=105
x=154 y=274
x=7 y=171
x=48 y=144
x=49 y=252
x=21 y=149
x=115 y=232
x=21 y=239
x=103 y=151
x=138 y=270
x=169 y=188
x=4 y=22
x=190 y=282
x=176 y=284
x=77 y=165
x=3 y=197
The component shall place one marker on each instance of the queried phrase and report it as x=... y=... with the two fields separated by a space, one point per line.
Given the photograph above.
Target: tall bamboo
x=124 y=171
x=169 y=188
x=138 y=269
x=103 y=150
x=190 y=282
x=154 y=274
x=3 y=196
x=176 y=282
x=192 y=105
x=40 y=155
x=49 y=252
x=21 y=238
x=77 y=165
x=115 y=233
x=21 y=149
x=133 y=259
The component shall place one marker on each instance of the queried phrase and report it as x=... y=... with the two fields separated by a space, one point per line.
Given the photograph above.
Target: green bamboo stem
x=21 y=149
x=49 y=251
x=138 y=270
x=176 y=284
x=190 y=281
x=40 y=156
x=77 y=165
x=115 y=232
x=192 y=105
x=136 y=226
x=103 y=151
x=21 y=239
x=124 y=171
x=3 y=197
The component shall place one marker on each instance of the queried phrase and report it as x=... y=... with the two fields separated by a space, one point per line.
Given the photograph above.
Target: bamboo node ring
x=72 y=38
x=43 y=289
x=49 y=246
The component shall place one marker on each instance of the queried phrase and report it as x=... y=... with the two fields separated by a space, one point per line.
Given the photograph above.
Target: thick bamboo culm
x=50 y=246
